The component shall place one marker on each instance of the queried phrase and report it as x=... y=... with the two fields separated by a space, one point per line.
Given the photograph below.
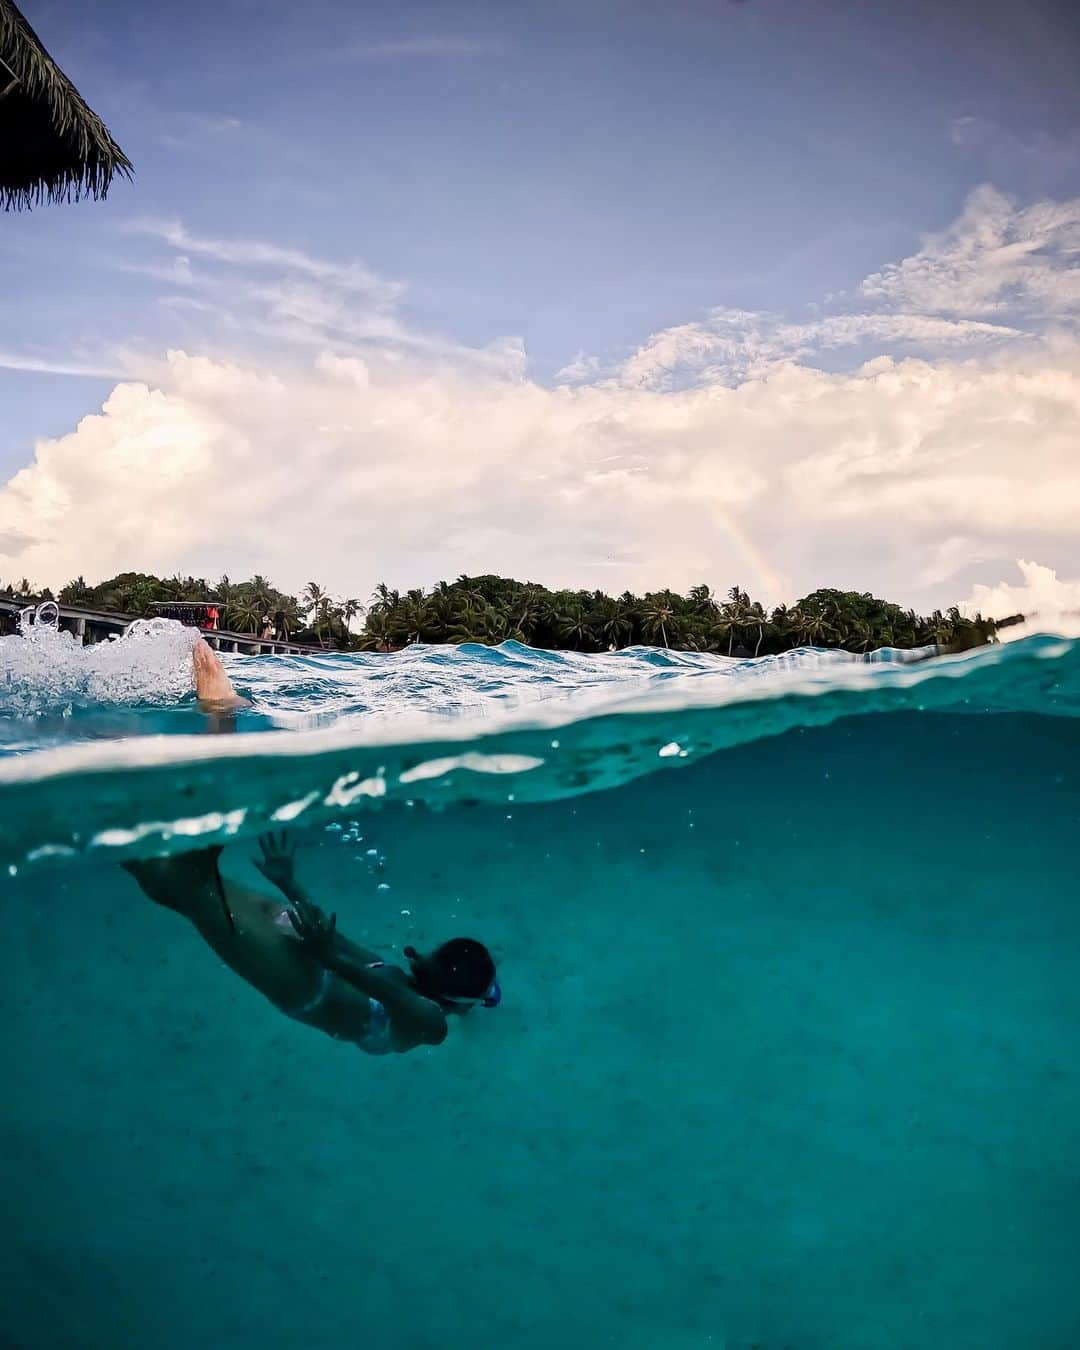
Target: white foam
x=213 y=822
x=350 y=786
x=45 y=669
x=476 y=763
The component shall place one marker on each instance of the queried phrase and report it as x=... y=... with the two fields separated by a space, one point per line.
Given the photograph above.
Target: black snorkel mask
x=490 y=998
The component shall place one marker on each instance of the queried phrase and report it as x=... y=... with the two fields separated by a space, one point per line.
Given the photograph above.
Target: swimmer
x=293 y=954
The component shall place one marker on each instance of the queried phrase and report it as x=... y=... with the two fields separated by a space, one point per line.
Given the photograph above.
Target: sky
x=777 y=293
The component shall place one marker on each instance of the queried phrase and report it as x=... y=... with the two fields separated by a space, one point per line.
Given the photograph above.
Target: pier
x=99 y=625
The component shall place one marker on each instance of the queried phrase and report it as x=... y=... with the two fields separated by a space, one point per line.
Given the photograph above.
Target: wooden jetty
x=99 y=625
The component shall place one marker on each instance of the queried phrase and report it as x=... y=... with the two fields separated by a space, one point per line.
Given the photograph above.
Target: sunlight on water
x=787 y=1053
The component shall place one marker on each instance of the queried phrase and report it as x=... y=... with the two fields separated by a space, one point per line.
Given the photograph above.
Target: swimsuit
x=375 y=1037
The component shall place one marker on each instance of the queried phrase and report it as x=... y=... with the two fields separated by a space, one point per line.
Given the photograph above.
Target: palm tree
x=756 y=615
x=941 y=630
x=350 y=609
x=262 y=592
x=75 y=591
x=733 y=614
x=861 y=635
x=702 y=600
x=316 y=601
x=530 y=613
x=724 y=629
x=224 y=592
x=615 y=623
x=816 y=628
x=465 y=624
x=294 y=615
x=376 y=632
x=498 y=626
x=575 y=626
x=412 y=616
x=658 y=616
x=246 y=614
x=384 y=599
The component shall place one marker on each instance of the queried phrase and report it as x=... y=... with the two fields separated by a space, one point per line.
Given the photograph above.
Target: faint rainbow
x=769 y=578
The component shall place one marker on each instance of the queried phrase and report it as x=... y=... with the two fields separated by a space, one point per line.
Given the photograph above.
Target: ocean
x=788 y=1052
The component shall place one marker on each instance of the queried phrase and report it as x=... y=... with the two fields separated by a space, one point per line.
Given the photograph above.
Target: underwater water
x=788 y=1052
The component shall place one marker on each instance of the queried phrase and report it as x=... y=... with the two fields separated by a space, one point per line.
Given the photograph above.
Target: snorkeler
x=294 y=955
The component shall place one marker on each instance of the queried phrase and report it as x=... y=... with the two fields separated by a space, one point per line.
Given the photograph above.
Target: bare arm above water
x=212 y=686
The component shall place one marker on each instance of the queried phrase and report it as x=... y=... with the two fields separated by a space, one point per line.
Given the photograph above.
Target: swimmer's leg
x=213 y=687
x=188 y=883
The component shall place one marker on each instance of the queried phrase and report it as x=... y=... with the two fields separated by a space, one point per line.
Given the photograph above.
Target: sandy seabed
x=789 y=1057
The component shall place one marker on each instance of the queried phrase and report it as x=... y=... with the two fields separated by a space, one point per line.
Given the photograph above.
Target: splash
x=437 y=726
x=45 y=670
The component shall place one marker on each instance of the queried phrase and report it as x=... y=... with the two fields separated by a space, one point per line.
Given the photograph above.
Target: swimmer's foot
x=212 y=685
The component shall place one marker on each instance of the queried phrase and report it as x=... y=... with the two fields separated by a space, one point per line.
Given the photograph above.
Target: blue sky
x=575 y=178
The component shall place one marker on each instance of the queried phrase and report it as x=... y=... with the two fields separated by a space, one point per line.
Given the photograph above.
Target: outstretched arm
x=413 y=1017
x=277 y=863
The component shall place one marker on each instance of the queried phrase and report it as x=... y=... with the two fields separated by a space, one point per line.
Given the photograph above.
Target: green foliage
x=243 y=604
x=491 y=609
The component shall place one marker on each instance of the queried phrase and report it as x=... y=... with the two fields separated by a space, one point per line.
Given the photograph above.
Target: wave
x=103 y=752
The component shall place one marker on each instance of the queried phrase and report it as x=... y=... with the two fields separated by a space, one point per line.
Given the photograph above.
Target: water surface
x=788 y=1050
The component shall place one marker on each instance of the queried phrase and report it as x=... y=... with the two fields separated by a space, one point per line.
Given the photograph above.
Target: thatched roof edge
x=95 y=156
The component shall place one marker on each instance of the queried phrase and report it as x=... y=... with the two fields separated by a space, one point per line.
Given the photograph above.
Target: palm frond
x=53 y=146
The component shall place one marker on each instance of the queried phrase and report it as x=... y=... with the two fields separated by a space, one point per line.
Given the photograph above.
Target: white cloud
x=732 y=344
x=48 y=365
x=996 y=257
x=579 y=369
x=1016 y=265
x=351 y=471
x=717 y=451
x=176 y=272
x=255 y=253
x=1050 y=602
x=265 y=295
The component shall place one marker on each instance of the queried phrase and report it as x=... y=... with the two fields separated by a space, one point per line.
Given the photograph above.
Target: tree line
x=314 y=616
x=491 y=609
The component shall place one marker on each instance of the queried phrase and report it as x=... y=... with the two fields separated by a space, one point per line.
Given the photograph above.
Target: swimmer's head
x=458 y=975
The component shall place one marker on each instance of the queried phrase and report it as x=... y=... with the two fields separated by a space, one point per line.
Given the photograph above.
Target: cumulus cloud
x=347 y=447
x=350 y=472
x=1050 y=602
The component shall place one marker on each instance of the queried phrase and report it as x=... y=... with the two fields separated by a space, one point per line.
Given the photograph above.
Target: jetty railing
x=99 y=625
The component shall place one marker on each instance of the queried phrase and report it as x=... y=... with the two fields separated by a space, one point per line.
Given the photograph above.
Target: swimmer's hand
x=278 y=865
x=312 y=926
x=278 y=861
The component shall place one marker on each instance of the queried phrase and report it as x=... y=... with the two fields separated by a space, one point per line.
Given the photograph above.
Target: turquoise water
x=788 y=1054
